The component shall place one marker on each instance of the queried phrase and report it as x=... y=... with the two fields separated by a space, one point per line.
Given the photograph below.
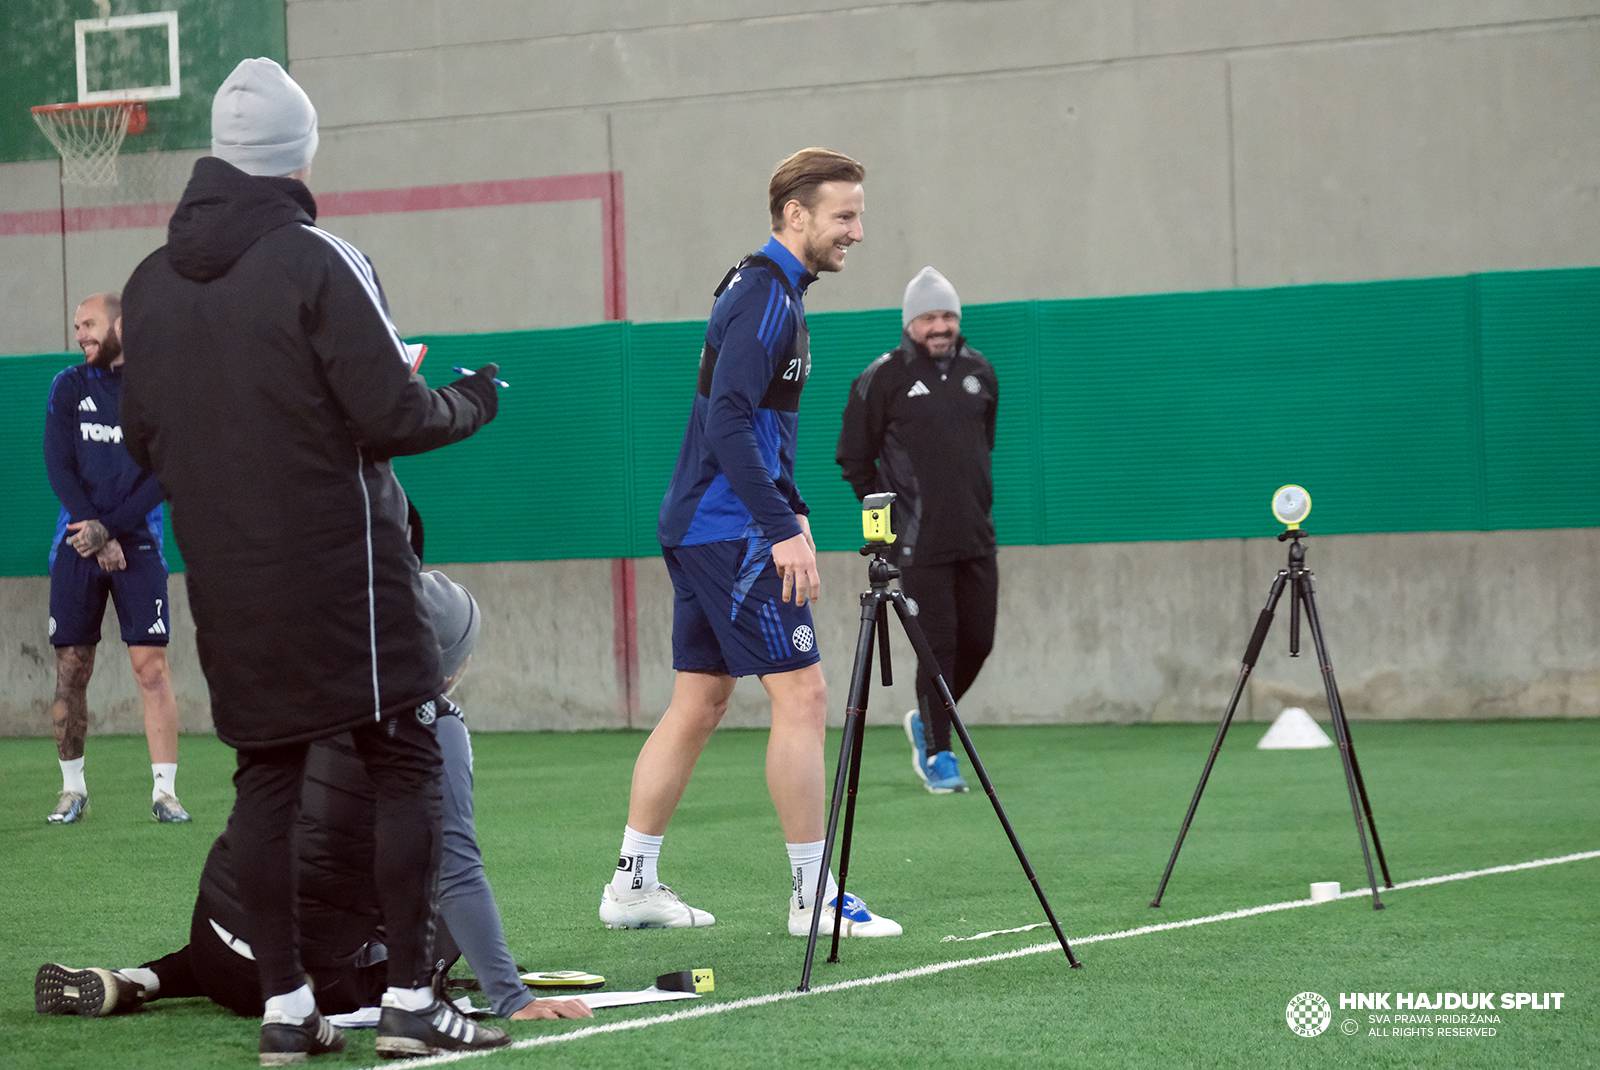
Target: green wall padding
x=1465 y=403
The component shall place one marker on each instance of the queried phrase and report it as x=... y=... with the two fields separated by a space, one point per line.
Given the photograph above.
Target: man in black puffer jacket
x=267 y=389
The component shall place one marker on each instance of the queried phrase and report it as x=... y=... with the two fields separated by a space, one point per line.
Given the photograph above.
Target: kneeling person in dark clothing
x=341 y=935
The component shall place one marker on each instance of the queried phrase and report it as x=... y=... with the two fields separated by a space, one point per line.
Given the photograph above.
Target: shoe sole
x=654 y=925
x=58 y=990
x=284 y=1058
x=404 y=1048
x=911 y=737
x=410 y=1047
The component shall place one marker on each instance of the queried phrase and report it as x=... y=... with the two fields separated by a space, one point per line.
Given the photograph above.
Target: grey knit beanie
x=929 y=291
x=455 y=617
x=262 y=122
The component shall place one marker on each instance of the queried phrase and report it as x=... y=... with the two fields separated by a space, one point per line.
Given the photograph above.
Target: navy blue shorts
x=728 y=613
x=78 y=590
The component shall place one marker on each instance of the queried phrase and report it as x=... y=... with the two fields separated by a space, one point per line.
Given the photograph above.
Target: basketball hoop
x=88 y=136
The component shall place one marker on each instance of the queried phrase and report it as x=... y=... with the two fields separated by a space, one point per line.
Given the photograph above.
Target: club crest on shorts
x=427 y=713
x=971 y=385
x=803 y=638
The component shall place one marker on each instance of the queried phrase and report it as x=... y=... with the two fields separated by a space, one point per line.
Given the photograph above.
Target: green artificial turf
x=1097 y=808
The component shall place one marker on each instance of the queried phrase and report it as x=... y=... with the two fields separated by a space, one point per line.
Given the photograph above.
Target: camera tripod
x=1300 y=581
x=847 y=777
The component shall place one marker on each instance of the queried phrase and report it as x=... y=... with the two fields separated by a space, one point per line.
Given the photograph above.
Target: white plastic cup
x=1324 y=891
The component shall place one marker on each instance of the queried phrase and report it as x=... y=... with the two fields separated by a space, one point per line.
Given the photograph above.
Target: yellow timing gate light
x=875 y=519
x=1291 y=504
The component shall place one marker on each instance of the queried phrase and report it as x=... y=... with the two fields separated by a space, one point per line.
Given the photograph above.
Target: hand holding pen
x=501 y=383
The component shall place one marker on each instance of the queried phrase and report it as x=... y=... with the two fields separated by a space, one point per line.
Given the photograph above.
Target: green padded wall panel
x=1415 y=405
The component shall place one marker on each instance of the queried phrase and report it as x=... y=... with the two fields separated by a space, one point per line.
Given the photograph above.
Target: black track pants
x=956 y=606
x=401 y=756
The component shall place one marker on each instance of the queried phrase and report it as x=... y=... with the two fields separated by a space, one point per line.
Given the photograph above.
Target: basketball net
x=89 y=136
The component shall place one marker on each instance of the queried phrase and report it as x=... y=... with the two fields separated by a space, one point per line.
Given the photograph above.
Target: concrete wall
x=1032 y=148
x=1419 y=626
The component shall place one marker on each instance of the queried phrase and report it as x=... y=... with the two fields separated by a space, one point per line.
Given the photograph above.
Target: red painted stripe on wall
x=602 y=186
x=625 y=641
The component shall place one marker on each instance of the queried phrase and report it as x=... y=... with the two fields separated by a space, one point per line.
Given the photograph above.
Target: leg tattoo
x=69 y=713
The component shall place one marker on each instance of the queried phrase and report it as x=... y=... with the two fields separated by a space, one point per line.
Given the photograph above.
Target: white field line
x=1289 y=904
x=957 y=964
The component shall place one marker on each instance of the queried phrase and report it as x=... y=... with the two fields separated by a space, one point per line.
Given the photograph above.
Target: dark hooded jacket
x=267 y=388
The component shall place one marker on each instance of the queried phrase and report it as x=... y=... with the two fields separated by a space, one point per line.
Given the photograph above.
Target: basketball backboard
x=172 y=54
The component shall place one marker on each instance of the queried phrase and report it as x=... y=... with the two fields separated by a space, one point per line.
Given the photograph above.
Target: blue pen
x=501 y=383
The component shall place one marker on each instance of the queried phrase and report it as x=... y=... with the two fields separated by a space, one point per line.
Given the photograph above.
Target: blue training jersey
x=735 y=472
x=89 y=468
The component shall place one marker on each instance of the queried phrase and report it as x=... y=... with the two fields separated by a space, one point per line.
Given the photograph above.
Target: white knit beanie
x=262 y=122
x=929 y=291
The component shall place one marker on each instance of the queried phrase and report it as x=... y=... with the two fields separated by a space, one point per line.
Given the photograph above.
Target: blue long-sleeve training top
x=735 y=472
x=88 y=466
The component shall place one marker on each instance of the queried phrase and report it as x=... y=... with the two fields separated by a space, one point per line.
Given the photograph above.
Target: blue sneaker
x=858 y=920
x=919 y=745
x=943 y=775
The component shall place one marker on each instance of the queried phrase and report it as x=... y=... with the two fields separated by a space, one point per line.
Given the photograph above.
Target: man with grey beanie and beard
x=920 y=423
x=268 y=389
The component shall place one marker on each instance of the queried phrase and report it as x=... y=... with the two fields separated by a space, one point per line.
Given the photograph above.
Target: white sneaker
x=658 y=908
x=858 y=920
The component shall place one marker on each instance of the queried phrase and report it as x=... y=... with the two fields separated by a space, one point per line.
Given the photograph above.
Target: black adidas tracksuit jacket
x=924 y=429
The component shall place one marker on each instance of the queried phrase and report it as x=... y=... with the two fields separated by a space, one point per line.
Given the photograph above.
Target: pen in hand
x=501 y=383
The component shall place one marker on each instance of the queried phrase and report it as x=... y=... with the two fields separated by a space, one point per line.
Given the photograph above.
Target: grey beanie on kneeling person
x=455 y=618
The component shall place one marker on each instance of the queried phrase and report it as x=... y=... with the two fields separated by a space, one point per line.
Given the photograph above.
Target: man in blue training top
x=107 y=541
x=737 y=543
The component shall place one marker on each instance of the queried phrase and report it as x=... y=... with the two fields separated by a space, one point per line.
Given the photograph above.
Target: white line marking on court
x=1288 y=904
x=958 y=964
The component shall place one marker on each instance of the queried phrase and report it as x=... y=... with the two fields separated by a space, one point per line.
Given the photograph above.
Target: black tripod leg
x=849 y=817
x=1366 y=804
x=1251 y=652
x=855 y=713
x=1341 y=731
x=930 y=665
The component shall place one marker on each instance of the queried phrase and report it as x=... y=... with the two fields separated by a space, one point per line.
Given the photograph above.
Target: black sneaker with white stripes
x=433 y=1030
x=284 y=1043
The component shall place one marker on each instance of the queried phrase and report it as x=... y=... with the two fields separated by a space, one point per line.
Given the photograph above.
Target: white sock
x=165 y=775
x=637 y=864
x=805 y=865
x=72 y=776
x=293 y=1007
x=409 y=999
x=145 y=979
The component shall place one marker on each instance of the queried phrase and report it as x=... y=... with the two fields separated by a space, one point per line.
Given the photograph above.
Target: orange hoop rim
x=138 y=116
